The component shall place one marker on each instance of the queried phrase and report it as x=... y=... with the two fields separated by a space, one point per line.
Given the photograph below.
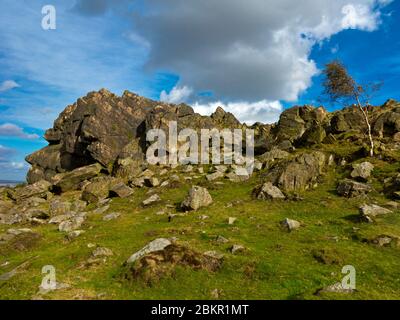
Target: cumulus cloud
x=247 y=50
x=261 y=111
x=12 y=130
x=8 y=85
x=176 y=95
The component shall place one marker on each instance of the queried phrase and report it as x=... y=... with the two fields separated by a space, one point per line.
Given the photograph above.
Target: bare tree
x=339 y=85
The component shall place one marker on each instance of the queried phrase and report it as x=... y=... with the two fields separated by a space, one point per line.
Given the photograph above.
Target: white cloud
x=12 y=130
x=176 y=95
x=8 y=85
x=261 y=111
x=260 y=49
x=359 y=17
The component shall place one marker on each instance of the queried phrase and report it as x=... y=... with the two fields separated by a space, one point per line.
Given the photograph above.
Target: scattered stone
x=368 y=212
x=138 y=182
x=153 y=199
x=335 y=288
x=214 y=254
x=382 y=241
x=121 y=190
x=238 y=175
x=216 y=293
x=231 y=220
x=221 y=239
x=197 y=197
x=151 y=182
x=111 y=216
x=164 y=184
x=362 y=171
x=102 y=252
x=155 y=245
x=61 y=218
x=72 y=224
x=203 y=217
x=290 y=224
x=268 y=192
x=57 y=286
x=350 y=189
x=214 y=176
x=74 y=234
x=237 y=248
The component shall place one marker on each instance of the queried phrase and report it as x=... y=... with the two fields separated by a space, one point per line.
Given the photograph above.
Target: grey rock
x=268 y=192
x=153 y=199
x=197 y=198
x=102 y=252
x=156 y=245
x=72 y=224
x=373 y=211
x=121 y=190
x=111 y=216
x=350 y=189
x=362 y=171
x=290 y=224
x=214 y=176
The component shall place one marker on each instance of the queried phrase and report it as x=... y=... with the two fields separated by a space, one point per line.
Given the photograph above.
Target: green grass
x=276 y=264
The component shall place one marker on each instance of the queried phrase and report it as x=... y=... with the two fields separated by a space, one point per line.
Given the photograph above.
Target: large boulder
x=197 y=198
x=99 y=188
x=39 y=189
x=348 y=119
x=294 y=122
x=298 y=174
x=388 y=123
x=71 y=180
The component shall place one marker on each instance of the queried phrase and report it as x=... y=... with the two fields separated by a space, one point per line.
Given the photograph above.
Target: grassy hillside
x=275 y=265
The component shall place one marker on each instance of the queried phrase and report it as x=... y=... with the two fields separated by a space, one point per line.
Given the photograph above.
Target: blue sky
x=254 y=58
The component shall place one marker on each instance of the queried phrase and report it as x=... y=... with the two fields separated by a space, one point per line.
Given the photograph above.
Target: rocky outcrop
x=298 y=174
x=304 y=121
x=110 y=130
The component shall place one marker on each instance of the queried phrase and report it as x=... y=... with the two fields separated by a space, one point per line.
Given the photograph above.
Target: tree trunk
x=371 y=140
